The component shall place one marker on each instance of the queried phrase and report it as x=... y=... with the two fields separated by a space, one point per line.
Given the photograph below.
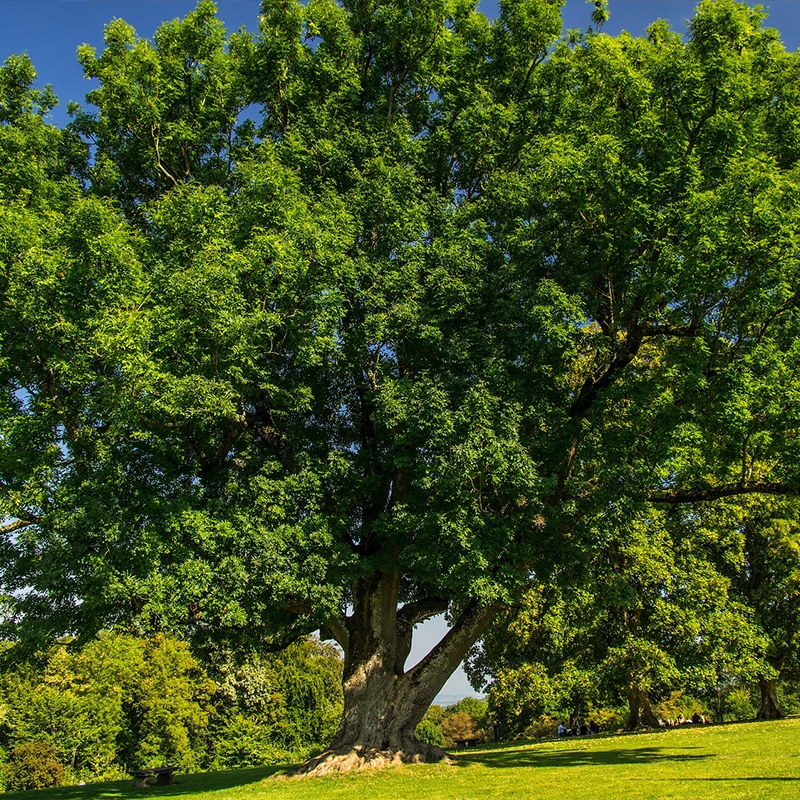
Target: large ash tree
x=365 y=317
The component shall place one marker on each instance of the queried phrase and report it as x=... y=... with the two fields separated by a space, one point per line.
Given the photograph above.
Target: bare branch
x=159 y=164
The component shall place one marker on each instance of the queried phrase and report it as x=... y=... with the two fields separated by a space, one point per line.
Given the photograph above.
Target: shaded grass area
x=215 y=785
x=751 y=760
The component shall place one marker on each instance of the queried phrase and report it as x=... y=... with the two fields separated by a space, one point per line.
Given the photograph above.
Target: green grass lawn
x=726 y=761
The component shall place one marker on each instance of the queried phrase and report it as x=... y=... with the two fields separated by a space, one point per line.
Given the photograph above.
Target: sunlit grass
x=749 y=760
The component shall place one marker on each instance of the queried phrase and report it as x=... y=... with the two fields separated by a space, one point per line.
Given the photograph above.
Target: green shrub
x=115 y=772
x=429 y=732
x=608 y=719
x=738 y=705
x=542 y=727
x=34 y=766
x=680 y=704
x=460 y=726
x=245 y=742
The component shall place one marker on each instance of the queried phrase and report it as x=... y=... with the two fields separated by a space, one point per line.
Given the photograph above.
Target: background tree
x=277 y=707
x=646 y=616
x=117 y=703
x=755 y=542
x=462 y=289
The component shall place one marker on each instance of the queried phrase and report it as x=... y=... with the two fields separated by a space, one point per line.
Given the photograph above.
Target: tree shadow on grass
x=513 y=758
x=184 y=785
x=733 y=779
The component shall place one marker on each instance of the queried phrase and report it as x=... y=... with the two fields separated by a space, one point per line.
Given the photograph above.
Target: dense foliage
x=466 y=719
x=384 y=311
x=34 y=766
x=696 y=603
x=122 y=702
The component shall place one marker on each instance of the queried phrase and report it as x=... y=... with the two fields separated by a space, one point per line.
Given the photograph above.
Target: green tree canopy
x=463 y=287
x=756 y=543
x=649 y=613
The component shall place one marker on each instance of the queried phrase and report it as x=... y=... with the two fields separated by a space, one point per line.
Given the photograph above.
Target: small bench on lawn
x=467 y=742
x=142 y=777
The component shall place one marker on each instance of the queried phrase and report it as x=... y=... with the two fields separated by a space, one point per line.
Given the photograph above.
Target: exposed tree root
x=360 y=758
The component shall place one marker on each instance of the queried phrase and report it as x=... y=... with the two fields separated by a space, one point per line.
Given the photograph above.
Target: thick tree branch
x=624 y=354
x=17 y=524
x=159 y=163
x=408 y=616
x=333 y=628
x=595 y=384
x=337 y=630
x=701 y=493
x=426 y=677
x=420 y=610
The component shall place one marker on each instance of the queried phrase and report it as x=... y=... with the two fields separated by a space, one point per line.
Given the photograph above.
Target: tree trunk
x=383 y=704
x=640 y=715
x=770 y=707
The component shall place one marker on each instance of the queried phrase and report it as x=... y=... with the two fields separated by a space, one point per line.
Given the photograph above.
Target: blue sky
x=51 y=30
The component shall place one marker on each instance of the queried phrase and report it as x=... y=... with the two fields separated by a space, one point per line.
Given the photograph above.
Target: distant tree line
x=122 y=702
x=469 y=718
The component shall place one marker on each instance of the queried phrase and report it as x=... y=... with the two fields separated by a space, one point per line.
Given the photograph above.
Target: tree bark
x=770 y=706
x=639 y=712
x=383 y=704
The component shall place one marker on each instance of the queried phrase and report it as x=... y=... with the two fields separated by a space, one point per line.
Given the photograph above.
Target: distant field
x=726 y=761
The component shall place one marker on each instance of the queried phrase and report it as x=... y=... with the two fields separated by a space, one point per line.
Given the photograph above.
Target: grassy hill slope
x=746 y=760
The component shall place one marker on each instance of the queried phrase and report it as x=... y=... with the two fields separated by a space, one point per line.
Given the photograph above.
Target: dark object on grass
x=142 y=777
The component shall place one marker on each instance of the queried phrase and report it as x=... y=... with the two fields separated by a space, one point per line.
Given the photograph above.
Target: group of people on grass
x=696 y=719
x=583 y=729
x=578 y=730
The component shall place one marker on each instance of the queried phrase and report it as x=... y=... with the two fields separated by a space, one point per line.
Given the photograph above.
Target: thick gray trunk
x=383 y=704
x=640 y=714
x=770 y=706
